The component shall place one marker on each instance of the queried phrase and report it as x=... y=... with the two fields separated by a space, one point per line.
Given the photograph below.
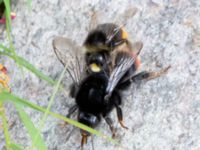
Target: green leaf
x=39 y=143
x=15 y=146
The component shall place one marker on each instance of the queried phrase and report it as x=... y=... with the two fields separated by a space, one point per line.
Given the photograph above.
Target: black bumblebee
x=91 y=80
x=89 y=92
x=105 y=37
x=123 y=55
x=108 y=38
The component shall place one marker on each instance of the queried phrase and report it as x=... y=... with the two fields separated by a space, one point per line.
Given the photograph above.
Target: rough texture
x=162 y=114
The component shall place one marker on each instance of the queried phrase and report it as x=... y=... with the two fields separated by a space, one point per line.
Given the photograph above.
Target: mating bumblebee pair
x=110 y=64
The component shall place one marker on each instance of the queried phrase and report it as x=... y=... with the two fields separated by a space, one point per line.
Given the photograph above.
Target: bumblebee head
x=88 y=119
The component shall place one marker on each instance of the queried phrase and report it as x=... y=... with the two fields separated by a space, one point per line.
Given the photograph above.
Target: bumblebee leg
x=144 y=75
x=110 y=123
x=72 y=110
x=120 y=116
x=140 y=76
x=83 y=140
x=153 y=75
x=73 y=90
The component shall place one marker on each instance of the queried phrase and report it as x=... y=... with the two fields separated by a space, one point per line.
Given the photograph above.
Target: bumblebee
x=91 y=105
x=90 y=92
x=109 y=38
x=105 y=37
x=97 y=88
x=123 y=55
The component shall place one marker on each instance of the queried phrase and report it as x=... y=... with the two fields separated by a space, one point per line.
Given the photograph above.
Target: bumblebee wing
x=65 y=49
x=137 y=47
x=126 y=15
x=70 y=55
x=94 y=20
x=124 y=61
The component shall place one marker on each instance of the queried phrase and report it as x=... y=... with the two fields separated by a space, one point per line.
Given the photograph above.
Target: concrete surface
x=162 y=114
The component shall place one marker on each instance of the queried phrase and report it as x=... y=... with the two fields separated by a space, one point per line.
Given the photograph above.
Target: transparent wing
x=123 y=18
x=137 y=47
x=123 y=62
x=94 y=21
x=71 y=56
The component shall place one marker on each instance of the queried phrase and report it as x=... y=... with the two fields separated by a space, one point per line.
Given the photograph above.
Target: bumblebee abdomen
x=90 y=97
x=95 y=38
x=105 y=37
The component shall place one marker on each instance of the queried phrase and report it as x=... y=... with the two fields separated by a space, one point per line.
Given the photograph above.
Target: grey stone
x=163 y=113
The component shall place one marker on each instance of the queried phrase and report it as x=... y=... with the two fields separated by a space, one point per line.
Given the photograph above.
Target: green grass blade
x=5 y=126
x=30 y=67
x=8 y=18
x=13 y=98
x=29 y=2
x=39 y=142
x=15 y=146
x=42 y=121
x=8 y=24
x=22 y=62
x=8 y=27
x=5 y=49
